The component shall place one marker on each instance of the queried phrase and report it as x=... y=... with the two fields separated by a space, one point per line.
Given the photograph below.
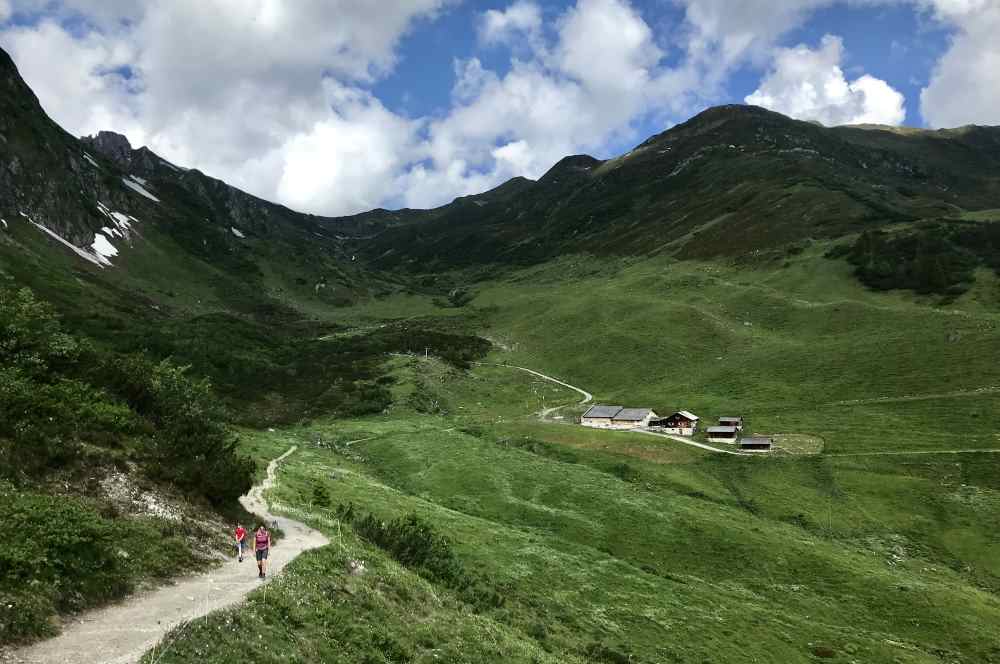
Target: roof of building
x=689 y=415
x=602 y=411
x=633 y=414
x=755 y=440
x=731 y=419
x=712 y=430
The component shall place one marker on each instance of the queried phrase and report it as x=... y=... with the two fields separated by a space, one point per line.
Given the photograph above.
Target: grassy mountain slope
x=732 y=180
x=690 y=558
x=142 y=255
x=704 y=270
x=117 y=269
x=615 y=547
x=795 y=344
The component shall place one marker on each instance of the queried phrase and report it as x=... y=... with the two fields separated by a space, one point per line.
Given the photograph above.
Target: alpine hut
x=681 y=423
x=736 y=421
x=632 y=418
x=600 y=416
x=755 y=444
x=722 y=434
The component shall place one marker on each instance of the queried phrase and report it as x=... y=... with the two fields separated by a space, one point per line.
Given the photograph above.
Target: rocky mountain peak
x=112 y=145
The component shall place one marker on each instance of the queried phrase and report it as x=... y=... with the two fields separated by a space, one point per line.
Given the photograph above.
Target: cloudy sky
x=338 y=106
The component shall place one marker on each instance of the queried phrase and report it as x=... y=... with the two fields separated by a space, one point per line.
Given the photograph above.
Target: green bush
x=64 y=555
x=61 y=557
x=189 y=444
x=25 y=615
x=930 y=259
x=415 y=543
x=57 y=392
x=320 y=496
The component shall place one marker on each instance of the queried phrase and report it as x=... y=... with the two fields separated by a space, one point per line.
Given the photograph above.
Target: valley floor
x=581 y=545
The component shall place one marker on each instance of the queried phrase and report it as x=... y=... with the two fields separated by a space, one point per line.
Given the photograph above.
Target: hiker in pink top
x=262 y=543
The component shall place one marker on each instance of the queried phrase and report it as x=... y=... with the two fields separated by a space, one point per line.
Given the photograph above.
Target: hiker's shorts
x=261 y=554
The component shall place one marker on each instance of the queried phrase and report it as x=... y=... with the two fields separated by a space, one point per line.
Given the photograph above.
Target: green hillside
x=619 y=547
x=730 y=181
x=838 y=287
x=609 y=553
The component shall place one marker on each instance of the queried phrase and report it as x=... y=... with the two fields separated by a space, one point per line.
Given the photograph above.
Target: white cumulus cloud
x=277 y=97
x=523 y=18
x=964 y=87
x=809 y=84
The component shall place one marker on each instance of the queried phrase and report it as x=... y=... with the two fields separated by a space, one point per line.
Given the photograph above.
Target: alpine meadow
x=427 y=378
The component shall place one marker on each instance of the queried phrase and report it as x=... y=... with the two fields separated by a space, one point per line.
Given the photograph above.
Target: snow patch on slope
x=121 y=222
x=91 y=160
x=95 y=258
x=103 y=247
x=4 y=222
x=137 y=187
x=237 y=232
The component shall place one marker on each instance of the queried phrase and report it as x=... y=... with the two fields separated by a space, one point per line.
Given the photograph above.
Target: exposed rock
x=113 y=146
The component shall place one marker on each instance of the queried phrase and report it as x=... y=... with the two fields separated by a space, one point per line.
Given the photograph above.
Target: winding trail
x=121 y=633
x=688 y=441
x=587 y=396
x=978 y=392
x=984 y=450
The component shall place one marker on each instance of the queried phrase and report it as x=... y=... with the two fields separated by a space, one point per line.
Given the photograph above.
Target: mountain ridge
x=731 y=180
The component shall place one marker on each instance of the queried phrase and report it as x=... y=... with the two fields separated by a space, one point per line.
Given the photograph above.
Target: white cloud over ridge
x=810 y=85
x=965 y=85
x=279 y=102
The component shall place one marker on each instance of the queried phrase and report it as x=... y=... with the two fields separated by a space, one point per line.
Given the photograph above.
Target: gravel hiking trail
x=122 y=633
x=587 y=396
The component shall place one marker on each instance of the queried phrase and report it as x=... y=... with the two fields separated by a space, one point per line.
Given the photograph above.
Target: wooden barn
x=756 y=444
x=600 y=416
x=682 y=423
x=736 y=421
x=632 y=418
x=726 y=434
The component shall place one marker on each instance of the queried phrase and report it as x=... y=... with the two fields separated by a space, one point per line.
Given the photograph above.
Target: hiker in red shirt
x=241 y=540
x=262 y=541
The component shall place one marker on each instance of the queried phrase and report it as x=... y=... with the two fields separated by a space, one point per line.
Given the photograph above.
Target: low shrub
x=930 y=259
x=415 y=543
x=64 y=555
x=57 y=392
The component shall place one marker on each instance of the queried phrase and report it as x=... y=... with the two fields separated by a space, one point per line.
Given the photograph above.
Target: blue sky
x=336 y=106
x=894 y=43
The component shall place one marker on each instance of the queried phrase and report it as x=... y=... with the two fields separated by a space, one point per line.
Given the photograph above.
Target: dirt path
x=688 y=441
x=587 y=396
x=985 y=450
x=120 y=634
x=979 y=391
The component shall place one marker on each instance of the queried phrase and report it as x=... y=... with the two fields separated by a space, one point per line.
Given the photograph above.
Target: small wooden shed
x=725 y=434
x=732 y=421
x=756 y=444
